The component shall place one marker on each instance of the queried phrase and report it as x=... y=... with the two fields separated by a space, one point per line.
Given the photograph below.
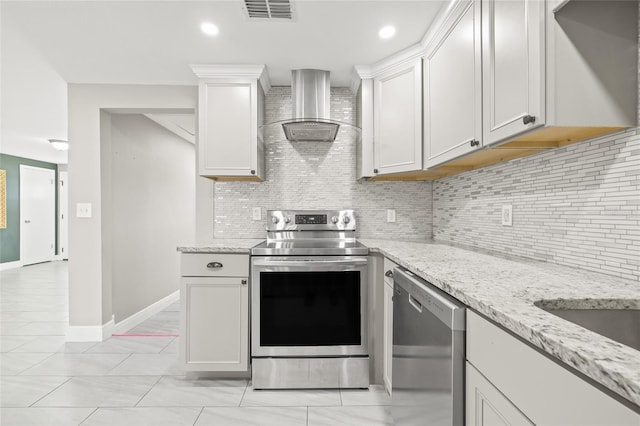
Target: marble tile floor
x=135 y=381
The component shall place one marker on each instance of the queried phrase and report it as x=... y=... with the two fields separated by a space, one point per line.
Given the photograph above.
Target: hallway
x=135 y=381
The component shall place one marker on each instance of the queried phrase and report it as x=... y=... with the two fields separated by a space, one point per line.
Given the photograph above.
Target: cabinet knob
x=474 y=142
x=389 y=273
x=214 y=265
x=529 y=119
x=375 y=171
x=244 y=282
x=253 y=172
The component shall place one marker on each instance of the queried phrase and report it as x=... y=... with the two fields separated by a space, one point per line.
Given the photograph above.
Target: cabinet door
x=513 y=67
x=215 y=324
x=486 y=406
x=387 y=336
x=398 y=120
x=228 y=128
x=453 y=88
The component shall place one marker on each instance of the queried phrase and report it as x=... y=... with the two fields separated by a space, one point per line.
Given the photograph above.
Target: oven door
x=309 y=306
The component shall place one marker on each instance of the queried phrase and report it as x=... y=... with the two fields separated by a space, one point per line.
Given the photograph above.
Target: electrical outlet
x=507 y=215
x=257 y=213
x=391 y=215
x=83 y=210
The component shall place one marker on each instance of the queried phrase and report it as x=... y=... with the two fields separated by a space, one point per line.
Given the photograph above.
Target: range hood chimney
x=310 y=91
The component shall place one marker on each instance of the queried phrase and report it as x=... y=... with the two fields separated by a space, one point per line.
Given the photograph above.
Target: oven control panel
x=311 y=220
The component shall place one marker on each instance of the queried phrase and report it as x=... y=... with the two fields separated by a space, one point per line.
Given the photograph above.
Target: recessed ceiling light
x=209 y=29
x=387 y=32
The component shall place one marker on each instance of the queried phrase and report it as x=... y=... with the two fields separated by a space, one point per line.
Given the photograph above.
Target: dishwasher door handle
x=449 y=310
x=414 y=302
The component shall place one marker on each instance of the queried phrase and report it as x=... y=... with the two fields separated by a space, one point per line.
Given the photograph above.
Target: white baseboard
x=89 y=333
x=10 y=265
x=146 y=313
x=99 y=333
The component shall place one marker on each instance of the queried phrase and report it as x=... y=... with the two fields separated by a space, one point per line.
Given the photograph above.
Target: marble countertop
x=505 y=289
x=227 y=245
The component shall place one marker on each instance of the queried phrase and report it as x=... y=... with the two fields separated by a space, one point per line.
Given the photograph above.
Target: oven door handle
x=310 y=262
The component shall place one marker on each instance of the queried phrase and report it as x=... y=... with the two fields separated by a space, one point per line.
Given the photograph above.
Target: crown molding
x=359 y=72
x=257 y=71
x=443 y=23
x=389 y=63
x=265 y=81
x=412 y=52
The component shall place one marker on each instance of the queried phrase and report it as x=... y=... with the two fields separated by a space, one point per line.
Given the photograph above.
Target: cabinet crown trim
x=257 y=71
x=413 y=52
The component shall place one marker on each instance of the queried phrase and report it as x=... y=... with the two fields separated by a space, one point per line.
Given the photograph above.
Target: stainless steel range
x=309 y=302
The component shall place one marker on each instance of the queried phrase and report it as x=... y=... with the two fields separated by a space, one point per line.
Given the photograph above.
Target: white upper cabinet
x=397 y=119
x=513 y=74
x=453 y=87
x=230 y=113
x=503 y=79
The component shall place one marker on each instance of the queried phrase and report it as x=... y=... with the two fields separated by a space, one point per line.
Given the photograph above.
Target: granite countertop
x=227 y=245
x=505 y=289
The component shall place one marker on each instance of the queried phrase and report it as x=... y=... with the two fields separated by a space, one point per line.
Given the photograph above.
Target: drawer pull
x=244 y=282
x=214 y=265
x=389 y=273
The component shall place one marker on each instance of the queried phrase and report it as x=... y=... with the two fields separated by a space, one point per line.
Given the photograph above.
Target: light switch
x=257 y=213
x=391 y=215
x=83 y=210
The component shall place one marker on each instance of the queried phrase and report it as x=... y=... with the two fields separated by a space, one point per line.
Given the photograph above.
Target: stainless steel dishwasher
x=428 y=354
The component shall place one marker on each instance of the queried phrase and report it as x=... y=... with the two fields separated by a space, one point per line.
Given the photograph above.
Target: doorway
x=37 y=214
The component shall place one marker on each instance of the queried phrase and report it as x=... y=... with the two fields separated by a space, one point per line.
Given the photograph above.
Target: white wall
x=33 y=101
x=153 y=211
x=89 y=245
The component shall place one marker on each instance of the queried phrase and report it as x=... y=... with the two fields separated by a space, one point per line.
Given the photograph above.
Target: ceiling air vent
x=268 y=9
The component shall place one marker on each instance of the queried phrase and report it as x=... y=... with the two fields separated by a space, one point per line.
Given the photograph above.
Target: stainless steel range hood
x=310 y=93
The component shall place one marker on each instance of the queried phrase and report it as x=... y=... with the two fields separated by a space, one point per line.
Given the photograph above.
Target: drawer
x=214 y=265
x=388 y=268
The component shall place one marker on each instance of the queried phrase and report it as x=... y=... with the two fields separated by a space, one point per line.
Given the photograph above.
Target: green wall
x=10 y=237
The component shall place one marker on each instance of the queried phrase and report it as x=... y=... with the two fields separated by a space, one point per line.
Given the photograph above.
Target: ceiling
x=153 y=42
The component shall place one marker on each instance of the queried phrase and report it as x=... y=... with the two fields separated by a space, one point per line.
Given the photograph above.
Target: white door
x=63 y=213
x=37 y=214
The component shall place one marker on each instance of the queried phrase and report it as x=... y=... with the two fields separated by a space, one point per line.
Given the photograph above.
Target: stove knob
x=334 y=219
x=346 y=219
x=287 y=219
x=275 y=219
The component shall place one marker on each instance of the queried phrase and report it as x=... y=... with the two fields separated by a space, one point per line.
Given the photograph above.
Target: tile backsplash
x=309 y=175
x=578 y=205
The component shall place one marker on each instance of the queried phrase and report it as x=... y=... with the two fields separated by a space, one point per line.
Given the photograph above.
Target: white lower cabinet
x=510 y=382
x=486 y=406
x=214 y=323
x=387 y=336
